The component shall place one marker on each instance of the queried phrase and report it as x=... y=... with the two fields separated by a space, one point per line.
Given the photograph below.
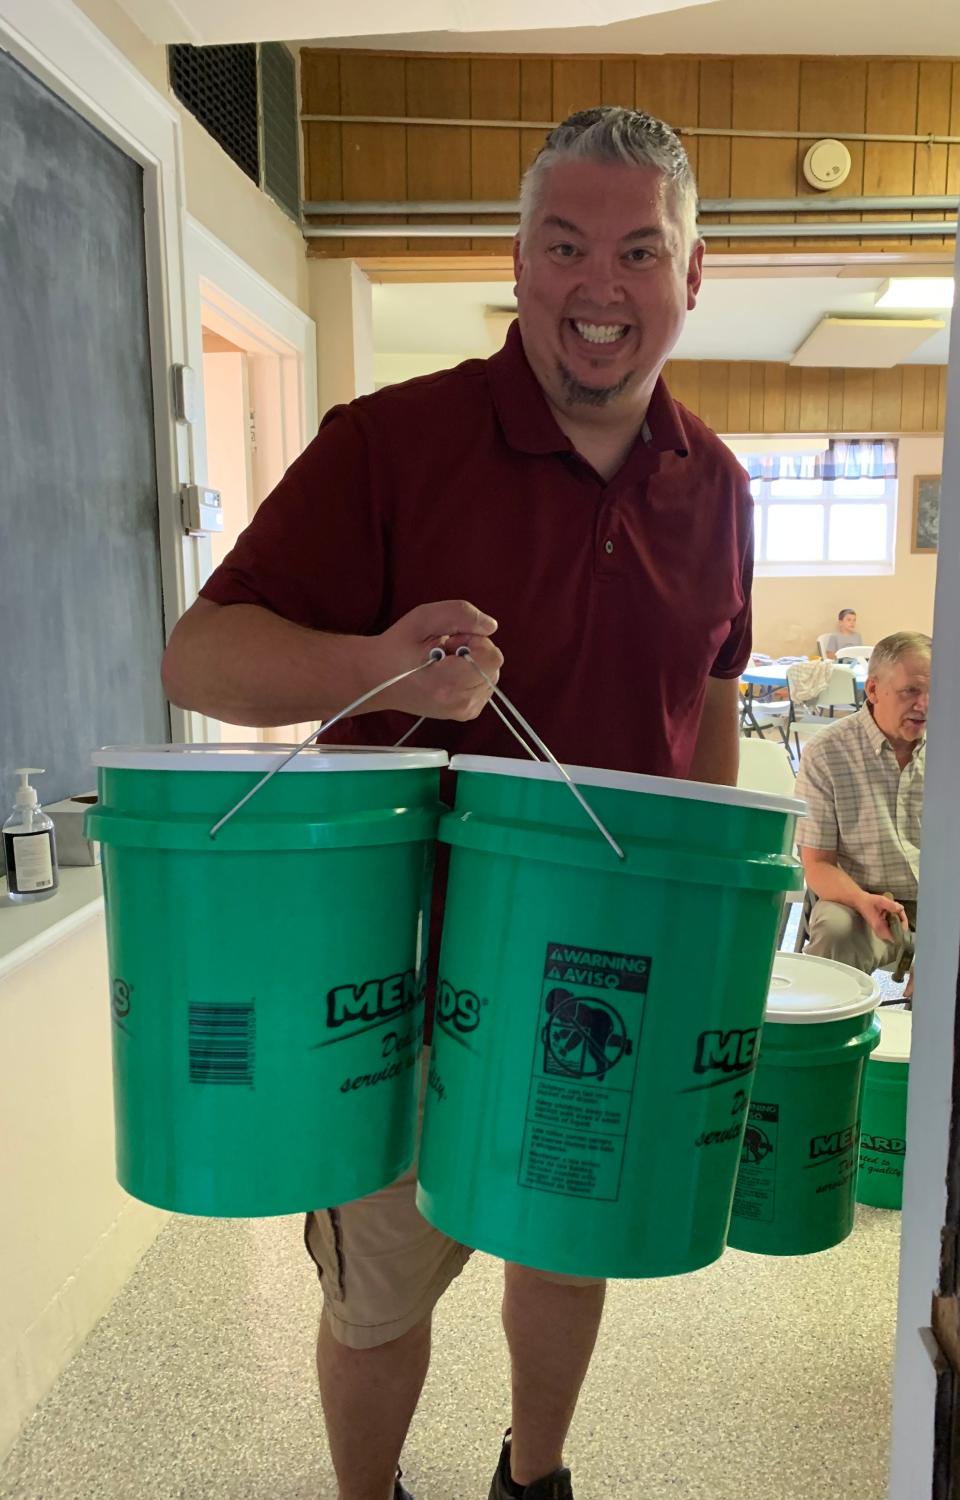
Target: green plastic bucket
x=798 y=1172
x=266 y=984
x=883 y=1136
x=597 y=1019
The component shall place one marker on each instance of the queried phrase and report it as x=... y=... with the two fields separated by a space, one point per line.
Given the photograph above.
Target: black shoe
x=399 y=1493
x=555 y=1486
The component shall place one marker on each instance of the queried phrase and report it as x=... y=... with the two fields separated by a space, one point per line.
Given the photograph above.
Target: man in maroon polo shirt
x=602 y=535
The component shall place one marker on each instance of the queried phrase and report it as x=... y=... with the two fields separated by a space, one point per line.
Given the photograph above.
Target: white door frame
x=223 y=291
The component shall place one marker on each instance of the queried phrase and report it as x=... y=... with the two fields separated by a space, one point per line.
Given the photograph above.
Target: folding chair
x=822 y=644
x=840 y=691
x=854 y=653
x=765 y=767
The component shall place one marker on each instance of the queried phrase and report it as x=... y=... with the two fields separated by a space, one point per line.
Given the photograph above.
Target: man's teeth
x=600 y=333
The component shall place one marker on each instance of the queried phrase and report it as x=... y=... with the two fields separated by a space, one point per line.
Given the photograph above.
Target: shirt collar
x=529 y=425
x=875 y=736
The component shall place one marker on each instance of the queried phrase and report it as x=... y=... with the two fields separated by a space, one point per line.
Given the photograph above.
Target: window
x=829 y=511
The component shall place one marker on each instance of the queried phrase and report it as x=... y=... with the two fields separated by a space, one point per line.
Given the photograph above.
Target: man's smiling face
x=604 y=284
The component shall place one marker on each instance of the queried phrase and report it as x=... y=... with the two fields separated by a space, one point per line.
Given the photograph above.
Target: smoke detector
x=826 y=164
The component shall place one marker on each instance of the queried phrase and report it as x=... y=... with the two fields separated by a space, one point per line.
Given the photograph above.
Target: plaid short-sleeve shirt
x=862 y=805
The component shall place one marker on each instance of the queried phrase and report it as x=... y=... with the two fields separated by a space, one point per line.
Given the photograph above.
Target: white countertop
x=27 y=927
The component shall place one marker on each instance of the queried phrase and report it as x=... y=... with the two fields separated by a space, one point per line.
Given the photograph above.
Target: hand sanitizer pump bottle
x=29 y=845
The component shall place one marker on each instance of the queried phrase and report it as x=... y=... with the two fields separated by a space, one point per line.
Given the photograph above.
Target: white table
x=769 y=677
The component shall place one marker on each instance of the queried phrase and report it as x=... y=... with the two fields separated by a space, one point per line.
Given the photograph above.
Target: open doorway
x=258 y=408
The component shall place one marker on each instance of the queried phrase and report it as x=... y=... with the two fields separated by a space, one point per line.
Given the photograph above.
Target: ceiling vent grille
x=245 y=96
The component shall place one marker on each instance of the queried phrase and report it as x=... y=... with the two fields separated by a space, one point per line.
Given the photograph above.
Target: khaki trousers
x=840 y=933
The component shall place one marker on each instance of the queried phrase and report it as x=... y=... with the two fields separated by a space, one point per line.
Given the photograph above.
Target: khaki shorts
x=382 y=1267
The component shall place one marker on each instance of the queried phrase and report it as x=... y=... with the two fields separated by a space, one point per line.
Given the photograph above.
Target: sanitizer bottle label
x=31 y=861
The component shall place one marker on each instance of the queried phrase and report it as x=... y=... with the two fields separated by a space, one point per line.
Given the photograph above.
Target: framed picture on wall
x=926 y=513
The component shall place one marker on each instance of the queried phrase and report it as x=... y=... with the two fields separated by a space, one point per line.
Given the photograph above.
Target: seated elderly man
x=862 y=780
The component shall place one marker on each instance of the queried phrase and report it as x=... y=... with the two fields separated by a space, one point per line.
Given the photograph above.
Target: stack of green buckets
x=597 y=1077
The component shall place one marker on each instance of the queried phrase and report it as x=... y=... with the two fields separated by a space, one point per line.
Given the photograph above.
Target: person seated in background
x=844 y=635
x=862 y=781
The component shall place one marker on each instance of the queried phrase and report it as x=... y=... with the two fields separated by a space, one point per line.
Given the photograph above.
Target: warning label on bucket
x=585 y=1058
x=755 y=1197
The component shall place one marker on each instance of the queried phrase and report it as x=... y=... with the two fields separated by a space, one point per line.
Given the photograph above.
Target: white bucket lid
x=896 y=1030
x=629 y=781
x=264 y=757
x=806 y=989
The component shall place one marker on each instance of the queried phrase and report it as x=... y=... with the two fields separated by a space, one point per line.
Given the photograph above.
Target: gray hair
x=894 y=648
x=614 y=134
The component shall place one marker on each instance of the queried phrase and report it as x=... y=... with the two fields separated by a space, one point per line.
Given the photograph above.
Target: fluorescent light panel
x=917 y=293
x=865 y=343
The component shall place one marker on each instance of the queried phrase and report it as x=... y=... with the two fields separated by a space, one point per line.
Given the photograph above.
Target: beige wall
x=72 y=1236
x=789 y=613
x=219 y=195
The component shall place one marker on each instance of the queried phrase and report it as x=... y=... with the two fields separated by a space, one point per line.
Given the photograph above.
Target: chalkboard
x=81 y=614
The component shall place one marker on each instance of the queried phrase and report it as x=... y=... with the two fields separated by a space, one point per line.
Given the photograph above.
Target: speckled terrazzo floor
x=754 y=1379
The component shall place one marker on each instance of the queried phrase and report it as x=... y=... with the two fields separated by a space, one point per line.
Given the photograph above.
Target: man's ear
x=517 y=261
x=694 y=274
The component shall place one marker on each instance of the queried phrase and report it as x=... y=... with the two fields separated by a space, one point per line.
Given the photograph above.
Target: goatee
x=579 y=394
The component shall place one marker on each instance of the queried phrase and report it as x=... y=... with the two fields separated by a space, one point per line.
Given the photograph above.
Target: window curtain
x=845 y=458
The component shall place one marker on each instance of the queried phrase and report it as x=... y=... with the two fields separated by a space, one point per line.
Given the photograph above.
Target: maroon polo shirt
x=616 y=599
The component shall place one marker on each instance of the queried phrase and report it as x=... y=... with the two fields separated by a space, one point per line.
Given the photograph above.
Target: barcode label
x=222 y=1039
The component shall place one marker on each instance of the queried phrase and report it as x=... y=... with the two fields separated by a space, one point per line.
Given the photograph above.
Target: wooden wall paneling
x=536 y=103
x=888 y=166
x=738 y=396
x=835 y=384
x=793 y=375
x=819 y=96
x=576 y=85
x=374 y=156
x=934 y=89
x=438 y=156
x=764 y=399
x=887 y=407
x=371 y=84
x=669 y=87
x=495 y=88
x=323 y=174
x=715 y=394
x=857 y=400
x=494 y=154
x=943 y=377
x=683 y=382
x=931 y=398
x=766 y=96
x=833 y=99
x=758 y=384
x=322 y=144
x=715 y=107
x=319 y=82
x=774 y=398
x=616 y=81
x=911 y=398
x=814 y=399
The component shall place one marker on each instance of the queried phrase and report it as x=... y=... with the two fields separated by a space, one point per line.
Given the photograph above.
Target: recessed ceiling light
x=916 y=292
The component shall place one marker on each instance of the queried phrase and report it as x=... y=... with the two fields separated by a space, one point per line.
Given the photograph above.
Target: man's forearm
x=830 y=883
x=246 y=665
